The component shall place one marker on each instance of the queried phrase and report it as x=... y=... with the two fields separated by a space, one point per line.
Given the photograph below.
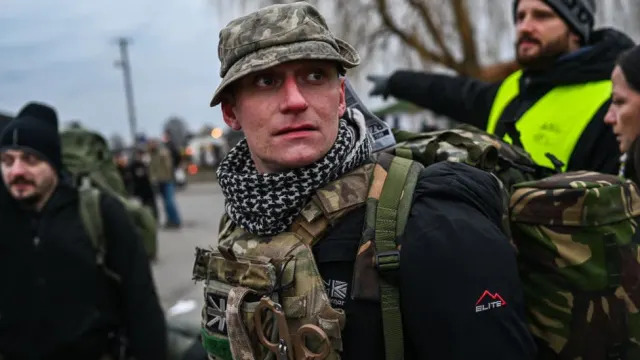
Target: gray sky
x=62 y=52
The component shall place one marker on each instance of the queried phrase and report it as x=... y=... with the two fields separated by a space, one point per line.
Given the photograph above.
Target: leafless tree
x=419 y=33
x=468 y=37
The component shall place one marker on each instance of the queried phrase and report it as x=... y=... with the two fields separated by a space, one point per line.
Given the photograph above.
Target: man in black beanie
x=555 y=104
x=81 y=300
x=32 y=138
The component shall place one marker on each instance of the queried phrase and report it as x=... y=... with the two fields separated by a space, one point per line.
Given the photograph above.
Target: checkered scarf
x=267 y=204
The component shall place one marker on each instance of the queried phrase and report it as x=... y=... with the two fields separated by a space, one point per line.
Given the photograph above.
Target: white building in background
x=206 y=150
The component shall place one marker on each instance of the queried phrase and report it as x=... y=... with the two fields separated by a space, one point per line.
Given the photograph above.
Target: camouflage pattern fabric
x=578 y=254
x=281 y=267
x=472 y=146
x=274 y=35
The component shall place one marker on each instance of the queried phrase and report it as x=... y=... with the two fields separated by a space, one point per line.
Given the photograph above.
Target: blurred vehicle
x=204 y=153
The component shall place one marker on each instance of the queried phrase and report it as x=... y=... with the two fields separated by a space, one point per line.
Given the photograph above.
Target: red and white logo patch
x=489 y=301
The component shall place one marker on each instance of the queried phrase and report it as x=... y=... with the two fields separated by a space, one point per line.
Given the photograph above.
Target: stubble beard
x=547 y=55
x=30 y=202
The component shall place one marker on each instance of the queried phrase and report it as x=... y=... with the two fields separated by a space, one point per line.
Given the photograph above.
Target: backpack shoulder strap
x=388 y=217
x=393 y=206
x=91 y=216
x=92 y=219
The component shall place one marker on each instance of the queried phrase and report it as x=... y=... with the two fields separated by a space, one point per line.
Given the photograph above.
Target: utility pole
x=124 y=64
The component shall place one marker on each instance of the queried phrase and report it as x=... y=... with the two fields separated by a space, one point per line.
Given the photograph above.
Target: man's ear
x=342 y=106
x=229 y=114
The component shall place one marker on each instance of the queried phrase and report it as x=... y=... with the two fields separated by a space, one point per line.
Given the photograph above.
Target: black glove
x=380 y=85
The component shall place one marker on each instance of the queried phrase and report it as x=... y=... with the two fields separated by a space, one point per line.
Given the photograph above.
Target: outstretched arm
x=463 y=99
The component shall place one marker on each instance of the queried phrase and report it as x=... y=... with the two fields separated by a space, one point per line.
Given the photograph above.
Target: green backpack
x=86 y=155
x=577 y=237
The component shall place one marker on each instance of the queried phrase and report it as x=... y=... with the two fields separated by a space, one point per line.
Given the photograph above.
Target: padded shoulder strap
x=391 y=214
x=91 y=216
x=92 y=219
x=395 y=200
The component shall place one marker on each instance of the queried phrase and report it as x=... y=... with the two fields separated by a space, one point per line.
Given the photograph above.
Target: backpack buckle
x=387 y=260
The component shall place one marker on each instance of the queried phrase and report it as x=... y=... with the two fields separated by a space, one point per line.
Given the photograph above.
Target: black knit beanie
x=35 y=129
x=629 y=62
x=578 y=14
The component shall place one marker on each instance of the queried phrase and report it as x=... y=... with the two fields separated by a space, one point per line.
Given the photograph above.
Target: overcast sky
x=62 y=52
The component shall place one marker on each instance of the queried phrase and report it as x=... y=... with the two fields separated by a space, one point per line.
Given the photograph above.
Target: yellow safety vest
x=556 y=121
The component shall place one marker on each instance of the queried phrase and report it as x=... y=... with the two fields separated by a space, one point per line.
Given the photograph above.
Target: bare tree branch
x=469 y=50
x=438 y=37
x=409 y=39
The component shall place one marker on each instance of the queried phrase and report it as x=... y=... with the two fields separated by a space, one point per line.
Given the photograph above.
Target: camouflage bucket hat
x=274 y=35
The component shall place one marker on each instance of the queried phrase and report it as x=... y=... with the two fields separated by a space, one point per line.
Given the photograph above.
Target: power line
x=125 y=65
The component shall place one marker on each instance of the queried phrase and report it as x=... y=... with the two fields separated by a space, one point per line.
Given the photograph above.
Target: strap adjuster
x=388 y=260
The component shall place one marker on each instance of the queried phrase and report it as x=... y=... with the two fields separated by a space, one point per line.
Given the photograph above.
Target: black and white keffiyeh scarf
x=267 y=204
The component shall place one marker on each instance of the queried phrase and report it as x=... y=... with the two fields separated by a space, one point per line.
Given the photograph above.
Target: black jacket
x=452 y=252
x=55 y=301
x=469 y=100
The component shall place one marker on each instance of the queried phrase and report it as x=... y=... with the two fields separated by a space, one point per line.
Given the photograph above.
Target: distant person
x=557 y=102
x=162 y=175
x=122 y=163
x=141 y=181
x=62 y=297
x=624 y=113
x=174 y=150
x=135 y=174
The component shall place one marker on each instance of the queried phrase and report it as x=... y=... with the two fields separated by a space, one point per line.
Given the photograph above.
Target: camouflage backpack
x=577 y=236
x=475 y=147
x=86 y=156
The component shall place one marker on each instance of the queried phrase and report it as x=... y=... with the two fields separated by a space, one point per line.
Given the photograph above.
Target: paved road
x=201 y=206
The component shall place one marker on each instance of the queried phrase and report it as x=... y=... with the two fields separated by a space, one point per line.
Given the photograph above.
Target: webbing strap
x=391 y=321
x=404 y=206
x=387 y=256
x=238 y=337
x=89 y=199
x=404 y=152
x=92 y=219
x=386 y=214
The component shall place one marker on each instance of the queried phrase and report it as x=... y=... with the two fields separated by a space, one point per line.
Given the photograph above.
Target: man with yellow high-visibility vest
x=555 y=105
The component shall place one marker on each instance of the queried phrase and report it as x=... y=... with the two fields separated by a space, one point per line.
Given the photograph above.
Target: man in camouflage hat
x=283 y=84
